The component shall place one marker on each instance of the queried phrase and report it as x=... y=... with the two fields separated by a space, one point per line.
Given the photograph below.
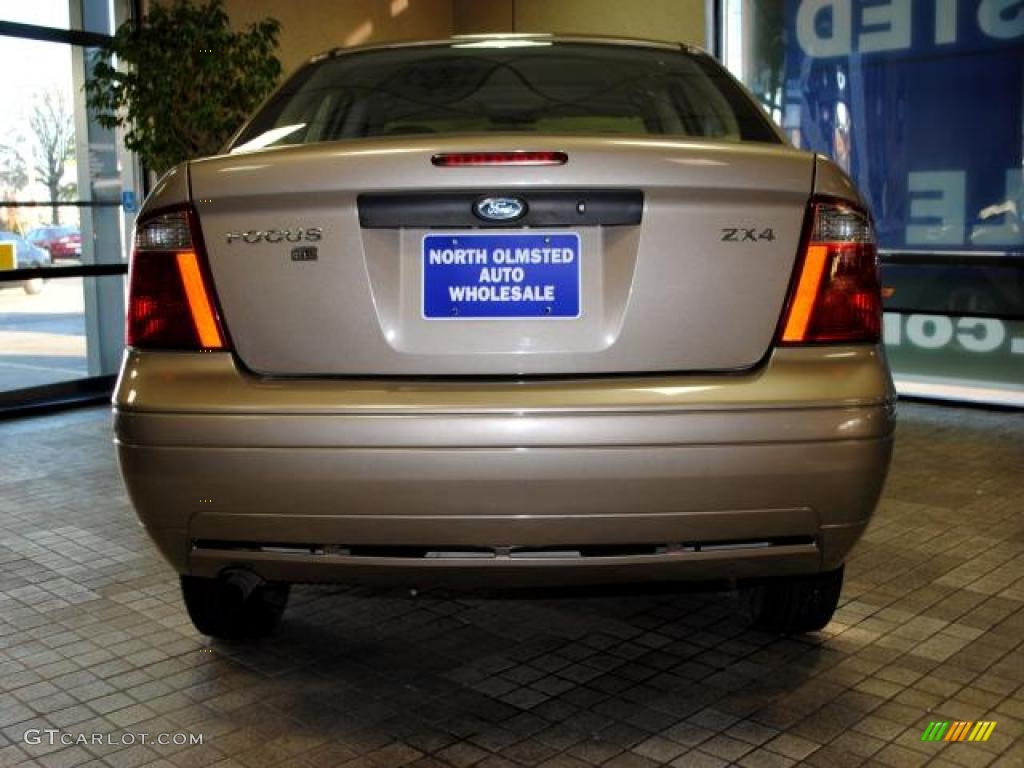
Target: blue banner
x=922 y=102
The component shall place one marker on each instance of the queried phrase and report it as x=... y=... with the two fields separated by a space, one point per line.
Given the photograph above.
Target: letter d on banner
x=810 y=22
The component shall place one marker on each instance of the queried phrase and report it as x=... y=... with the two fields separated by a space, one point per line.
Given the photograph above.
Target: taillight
x=517 y=157
x=837 y=297
x=171 y=304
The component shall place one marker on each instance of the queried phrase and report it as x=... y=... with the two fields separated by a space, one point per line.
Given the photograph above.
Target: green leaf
x=184 y=80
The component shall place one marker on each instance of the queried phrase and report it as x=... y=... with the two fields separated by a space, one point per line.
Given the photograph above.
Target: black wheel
x=794 y=604
x=236 y=606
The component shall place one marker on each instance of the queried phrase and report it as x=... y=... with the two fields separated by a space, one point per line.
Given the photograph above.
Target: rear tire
x=229 y=609
x=793 y=605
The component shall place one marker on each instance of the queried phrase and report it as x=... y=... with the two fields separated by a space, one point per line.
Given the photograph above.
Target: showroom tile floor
x=93 y=640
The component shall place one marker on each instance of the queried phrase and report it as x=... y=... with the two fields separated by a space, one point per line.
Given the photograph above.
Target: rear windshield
x=545 y=87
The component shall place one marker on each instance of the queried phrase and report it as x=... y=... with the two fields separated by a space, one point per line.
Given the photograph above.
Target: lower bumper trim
x=552 y=570
x=458 y=552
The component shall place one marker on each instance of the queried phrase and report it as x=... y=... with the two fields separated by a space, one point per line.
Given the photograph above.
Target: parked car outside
x=505 y=310
x=62 y=241
x=26 y=256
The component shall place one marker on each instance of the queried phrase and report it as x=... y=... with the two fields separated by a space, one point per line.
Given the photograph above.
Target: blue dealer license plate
x=501 y=275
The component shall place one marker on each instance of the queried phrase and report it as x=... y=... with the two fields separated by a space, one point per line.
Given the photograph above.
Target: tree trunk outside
x=54 y=208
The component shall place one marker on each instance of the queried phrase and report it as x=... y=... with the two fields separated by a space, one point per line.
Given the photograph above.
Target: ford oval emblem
x=500 y=208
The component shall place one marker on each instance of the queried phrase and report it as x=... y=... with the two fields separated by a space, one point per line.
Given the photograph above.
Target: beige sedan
x=527 y=310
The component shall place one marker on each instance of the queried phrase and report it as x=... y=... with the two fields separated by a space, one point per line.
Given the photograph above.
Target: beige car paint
x=673 y=271
x=797 y=449
x=666 y=417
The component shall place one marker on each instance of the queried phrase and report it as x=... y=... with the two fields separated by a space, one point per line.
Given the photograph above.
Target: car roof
x=511 y=40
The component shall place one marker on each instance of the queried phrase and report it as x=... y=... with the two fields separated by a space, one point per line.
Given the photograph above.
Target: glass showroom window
x=63 y=225
x=923 y=104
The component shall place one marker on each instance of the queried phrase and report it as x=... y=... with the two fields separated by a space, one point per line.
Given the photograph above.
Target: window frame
x=84 y=390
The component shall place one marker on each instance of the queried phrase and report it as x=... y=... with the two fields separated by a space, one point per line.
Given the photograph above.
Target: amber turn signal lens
x=170 y=300
x=837 y=297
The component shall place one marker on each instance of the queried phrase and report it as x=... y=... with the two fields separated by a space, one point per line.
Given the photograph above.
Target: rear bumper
x=614 y=479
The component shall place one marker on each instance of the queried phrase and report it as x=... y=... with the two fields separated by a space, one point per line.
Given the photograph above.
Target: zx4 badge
x=746 y=234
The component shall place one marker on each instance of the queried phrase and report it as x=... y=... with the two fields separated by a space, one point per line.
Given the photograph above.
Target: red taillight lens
x=837 y=297
x=462 y=159
x=170 y=301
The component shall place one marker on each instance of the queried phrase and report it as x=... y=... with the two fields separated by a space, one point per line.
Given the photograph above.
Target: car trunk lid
x=681 y=253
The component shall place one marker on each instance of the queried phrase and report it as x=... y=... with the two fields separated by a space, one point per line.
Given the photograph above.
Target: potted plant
x=180 y=83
